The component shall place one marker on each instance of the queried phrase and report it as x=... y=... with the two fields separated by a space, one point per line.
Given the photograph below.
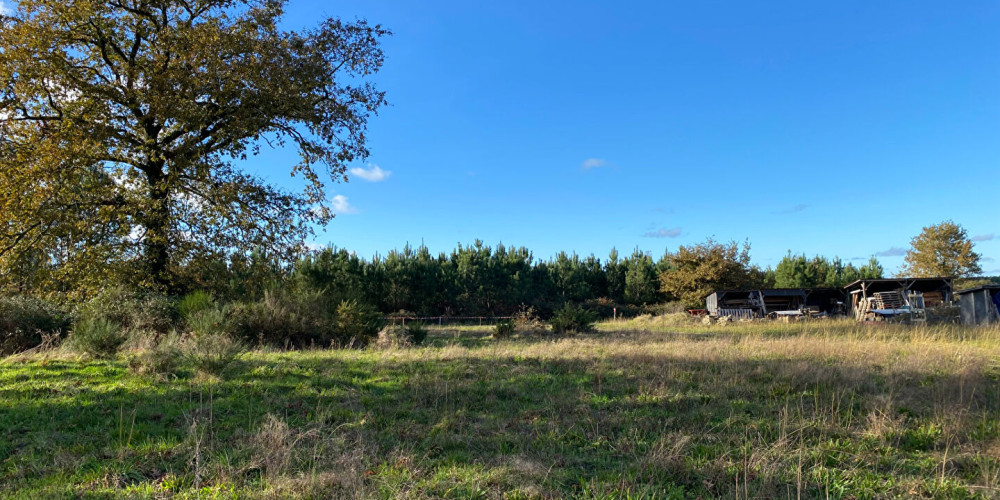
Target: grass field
x=642 y=409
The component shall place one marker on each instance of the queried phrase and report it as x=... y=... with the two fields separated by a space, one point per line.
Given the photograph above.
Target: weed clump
x=393 y=336
x=162 y=358
x=98 y=337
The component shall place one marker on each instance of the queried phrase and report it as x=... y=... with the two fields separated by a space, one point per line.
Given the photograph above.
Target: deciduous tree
x=698 y=270
x=122 y=123
x=941 y=250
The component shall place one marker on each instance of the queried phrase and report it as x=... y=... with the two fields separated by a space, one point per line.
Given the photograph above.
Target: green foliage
x=212 y=353
x=357 y=323
x=796 y=271
x=573 y=318
x=98 y=337
x=417 y=332
x=193 y=303
x=182 y=91
x=640 y=279
x=503 y=329
x=698 y=270
x=215 y=319
x=284 y=318
x=942 y=250
x=132 y=311
x=23 y=321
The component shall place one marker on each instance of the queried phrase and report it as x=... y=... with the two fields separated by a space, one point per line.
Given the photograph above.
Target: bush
x=285 y=319
x=24 y=320
x=215 y=319
x=162 y=358
x=417 y=332
x=528 y=320
x=573 y=318
x=194 y=303
x=98 y=337
x=132 y=311
x=504 y=329
x=357 y=322
x=212 y=353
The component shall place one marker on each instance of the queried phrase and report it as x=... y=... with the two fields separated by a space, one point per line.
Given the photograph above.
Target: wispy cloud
x=663 y=233
x=984 y=237
x=341 y=206
x=891 y=252
x=592 y=163
x=797 y=208
x=373 y=173
x=4 y=9
x=987 y=259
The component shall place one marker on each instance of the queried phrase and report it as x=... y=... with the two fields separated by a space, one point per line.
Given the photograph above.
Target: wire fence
x=449 y=320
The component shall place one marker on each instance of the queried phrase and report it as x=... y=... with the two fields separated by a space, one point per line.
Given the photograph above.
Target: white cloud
x=984 y=237
x=373 y=173
x=5 y=10
x=663 y=233
x=340 y=205
x=891 y=252
x=591 y=163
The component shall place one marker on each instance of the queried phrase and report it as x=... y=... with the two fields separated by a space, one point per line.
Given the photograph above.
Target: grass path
x=724 y=412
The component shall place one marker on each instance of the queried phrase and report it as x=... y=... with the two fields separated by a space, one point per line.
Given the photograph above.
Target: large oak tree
x=124 y=123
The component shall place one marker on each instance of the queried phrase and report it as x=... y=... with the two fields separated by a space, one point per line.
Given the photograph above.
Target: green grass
x=633 y=411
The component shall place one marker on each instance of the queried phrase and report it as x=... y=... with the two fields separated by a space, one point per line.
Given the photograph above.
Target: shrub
x=504 y=329
x=357 y=322
x=528 y=320
x=162 y=358
x=98 y=337
x=573 y=318
x=285 y=319
x=194 y=303
x=132 y=310
x=213 y=352
x=417 y=332
x=24 y=320
x=215 y=319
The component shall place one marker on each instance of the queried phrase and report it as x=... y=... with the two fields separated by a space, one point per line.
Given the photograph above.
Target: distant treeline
x=480 y=280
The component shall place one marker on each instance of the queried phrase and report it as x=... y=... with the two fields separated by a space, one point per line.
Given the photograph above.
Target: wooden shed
x=980 y=305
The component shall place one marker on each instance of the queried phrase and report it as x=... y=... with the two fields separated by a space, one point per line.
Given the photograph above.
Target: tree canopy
x=698 y=270
x=122 y=124
x=941 y=250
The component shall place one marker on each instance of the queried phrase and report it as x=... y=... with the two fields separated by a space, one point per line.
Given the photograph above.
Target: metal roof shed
x=979 y=305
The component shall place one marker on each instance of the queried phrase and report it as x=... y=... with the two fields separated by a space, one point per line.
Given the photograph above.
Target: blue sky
x=835 y=128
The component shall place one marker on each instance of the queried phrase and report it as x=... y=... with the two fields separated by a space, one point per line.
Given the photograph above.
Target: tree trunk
x=156 y=222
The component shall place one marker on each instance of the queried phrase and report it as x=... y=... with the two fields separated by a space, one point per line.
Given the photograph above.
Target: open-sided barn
x=770 y=302
x=865 y=299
